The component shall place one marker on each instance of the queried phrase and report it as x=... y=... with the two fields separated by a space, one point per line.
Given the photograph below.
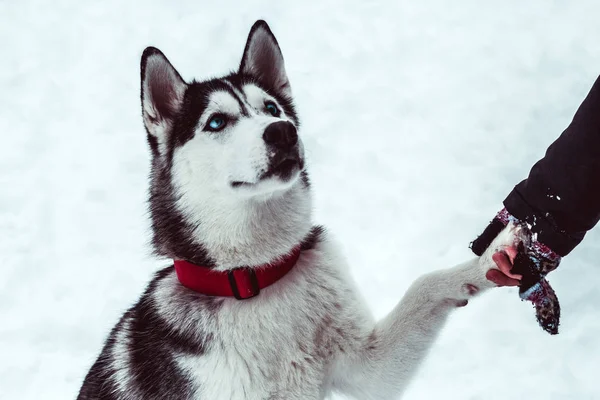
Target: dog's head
x=236 y=135
x=226 y=154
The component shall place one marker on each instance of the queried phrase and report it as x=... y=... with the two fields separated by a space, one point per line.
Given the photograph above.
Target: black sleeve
x=561 y=196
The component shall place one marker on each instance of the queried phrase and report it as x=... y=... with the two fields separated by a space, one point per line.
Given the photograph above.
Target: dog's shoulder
x=138 y=358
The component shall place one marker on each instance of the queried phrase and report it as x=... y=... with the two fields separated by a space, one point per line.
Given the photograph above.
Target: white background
x=418 y=119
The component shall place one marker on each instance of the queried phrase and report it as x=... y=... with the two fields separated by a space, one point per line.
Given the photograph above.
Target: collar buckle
x=243 y=282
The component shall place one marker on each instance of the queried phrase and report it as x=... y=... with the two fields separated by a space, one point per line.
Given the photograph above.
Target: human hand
x=525 y=264
x=504 y=261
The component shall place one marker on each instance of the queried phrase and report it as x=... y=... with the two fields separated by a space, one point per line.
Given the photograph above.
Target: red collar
x=241 y=283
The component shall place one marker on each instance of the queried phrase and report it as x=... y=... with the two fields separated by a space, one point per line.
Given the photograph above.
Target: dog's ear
x=263 y=59
x=162 y=94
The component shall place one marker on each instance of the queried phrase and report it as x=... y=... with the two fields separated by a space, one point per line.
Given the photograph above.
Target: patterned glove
x=534 y=261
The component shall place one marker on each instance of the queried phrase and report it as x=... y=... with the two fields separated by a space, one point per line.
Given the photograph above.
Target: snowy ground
x=418 y=119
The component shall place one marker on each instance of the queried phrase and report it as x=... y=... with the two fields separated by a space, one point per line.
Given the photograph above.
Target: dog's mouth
x=237 y=184
x=284 y=170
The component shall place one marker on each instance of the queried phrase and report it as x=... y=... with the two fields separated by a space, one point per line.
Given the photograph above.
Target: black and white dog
x=258 y=303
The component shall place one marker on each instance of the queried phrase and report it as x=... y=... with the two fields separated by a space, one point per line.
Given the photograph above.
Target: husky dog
x=230 y=195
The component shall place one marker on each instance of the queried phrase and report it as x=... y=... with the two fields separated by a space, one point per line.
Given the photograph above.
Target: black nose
x=282 y=135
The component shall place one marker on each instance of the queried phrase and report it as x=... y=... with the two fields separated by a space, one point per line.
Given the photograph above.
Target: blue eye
x=216 y=123
x=272 y=108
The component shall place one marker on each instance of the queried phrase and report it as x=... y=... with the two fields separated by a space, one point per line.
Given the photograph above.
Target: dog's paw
x=469 y=279
x=457 y=285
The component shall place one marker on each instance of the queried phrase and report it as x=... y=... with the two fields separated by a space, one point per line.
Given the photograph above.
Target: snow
x=418 y=118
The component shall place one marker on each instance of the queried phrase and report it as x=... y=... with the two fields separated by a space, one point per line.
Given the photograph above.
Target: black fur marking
x=97 y=383
x=242 y=103
x=151 y=349
x=238 y=80
x=153 y=143
x=314 y=236
x=152 y=344
x=173 y=236
x=195 y=101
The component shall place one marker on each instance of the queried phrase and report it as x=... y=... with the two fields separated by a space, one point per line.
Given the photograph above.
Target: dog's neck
x=253 y=232
x=233 y=232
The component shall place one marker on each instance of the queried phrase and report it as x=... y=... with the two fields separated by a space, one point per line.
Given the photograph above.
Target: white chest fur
x=282 y=343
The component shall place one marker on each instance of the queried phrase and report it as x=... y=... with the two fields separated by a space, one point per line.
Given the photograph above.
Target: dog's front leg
x=389 y=355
